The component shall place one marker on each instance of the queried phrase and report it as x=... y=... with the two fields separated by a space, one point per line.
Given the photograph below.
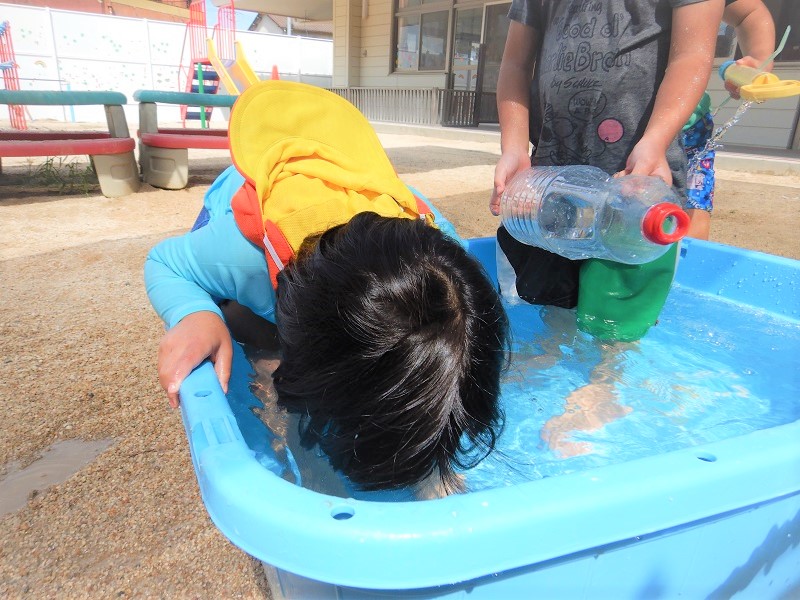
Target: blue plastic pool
x=686 y=517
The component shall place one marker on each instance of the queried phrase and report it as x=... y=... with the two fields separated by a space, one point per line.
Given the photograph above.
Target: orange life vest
x=267 y=235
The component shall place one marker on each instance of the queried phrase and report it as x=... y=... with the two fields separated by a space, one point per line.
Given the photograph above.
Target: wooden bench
x=164 y=152
x=110 y=152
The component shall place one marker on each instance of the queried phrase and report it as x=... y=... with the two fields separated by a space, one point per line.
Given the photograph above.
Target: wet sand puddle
x=57 y=464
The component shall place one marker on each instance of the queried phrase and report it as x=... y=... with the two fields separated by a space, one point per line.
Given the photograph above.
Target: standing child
x=613 y=84
x=608 y=84
x=391 y=337
x=755 y=33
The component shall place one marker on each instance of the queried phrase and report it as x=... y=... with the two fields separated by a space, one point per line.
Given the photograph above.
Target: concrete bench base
x=112 y=158
x=111 y=152
x=164 y=153
x=164 y=157
x=166 y=168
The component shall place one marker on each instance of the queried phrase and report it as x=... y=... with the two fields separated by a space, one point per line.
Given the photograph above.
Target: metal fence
x=458 y=108
x=395 y=105
x=422 y=106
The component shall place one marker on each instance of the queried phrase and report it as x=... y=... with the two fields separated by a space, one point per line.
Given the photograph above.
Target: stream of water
x=713 y=142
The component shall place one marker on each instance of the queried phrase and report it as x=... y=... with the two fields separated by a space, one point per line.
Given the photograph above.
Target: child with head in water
x=392 y=339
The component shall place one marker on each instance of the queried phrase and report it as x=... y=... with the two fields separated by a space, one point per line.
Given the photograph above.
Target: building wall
x=767 y=125
x=66 y=50
x=366 y=59
x=270 y=23
x=340 y=35
x=363 y=50
x=267 y=25
x=347 y=52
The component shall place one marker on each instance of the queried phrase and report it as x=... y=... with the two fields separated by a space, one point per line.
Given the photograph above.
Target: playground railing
x=10 y=76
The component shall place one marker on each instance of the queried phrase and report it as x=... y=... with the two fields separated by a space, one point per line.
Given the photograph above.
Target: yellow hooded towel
x=311 y=161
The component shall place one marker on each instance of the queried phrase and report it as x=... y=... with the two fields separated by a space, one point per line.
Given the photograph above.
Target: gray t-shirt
x=598 y=68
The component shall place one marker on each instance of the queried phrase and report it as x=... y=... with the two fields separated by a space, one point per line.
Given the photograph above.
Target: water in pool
x=709 y=370
x=574 y=403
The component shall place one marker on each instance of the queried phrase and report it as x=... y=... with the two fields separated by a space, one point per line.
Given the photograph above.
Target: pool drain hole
x=342 y=512
x=706 y=457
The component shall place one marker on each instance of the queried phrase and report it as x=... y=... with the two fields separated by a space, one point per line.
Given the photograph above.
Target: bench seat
x=110 y=152
x=52 y=135
x=164 y=152
x=64 y=147
x=184 y=140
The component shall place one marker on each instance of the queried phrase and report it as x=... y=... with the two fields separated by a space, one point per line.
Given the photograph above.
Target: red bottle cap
x=655 y=219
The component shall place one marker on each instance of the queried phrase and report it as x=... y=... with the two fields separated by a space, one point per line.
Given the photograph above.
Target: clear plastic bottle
x=580 y=212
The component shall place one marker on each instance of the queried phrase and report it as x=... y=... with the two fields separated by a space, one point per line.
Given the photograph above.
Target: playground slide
x=235 y=75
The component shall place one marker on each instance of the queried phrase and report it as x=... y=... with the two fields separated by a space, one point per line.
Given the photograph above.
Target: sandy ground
x=78 y=343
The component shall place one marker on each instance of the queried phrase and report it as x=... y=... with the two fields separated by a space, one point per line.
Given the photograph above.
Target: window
x=496 y=26
x=434 y=41
x=421 y=31
x=726 y=41
x=466 y=48
x=787 y=15
x=445 y=36
x=413 y=3
x=407 y=43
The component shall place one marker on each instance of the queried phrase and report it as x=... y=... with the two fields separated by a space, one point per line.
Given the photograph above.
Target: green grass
x=64 y=176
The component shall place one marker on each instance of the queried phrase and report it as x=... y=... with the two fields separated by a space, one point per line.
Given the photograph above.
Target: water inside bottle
x=617 y=222
x=620 y=223
x=567 y=213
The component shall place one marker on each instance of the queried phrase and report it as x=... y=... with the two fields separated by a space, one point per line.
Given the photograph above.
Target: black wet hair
x=392 y=344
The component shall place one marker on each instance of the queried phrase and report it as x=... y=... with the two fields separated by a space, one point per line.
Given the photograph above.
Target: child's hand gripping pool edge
x=196 y=337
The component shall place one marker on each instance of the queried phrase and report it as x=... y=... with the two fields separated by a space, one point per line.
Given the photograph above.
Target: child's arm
x=183 y=275
x=513 y=98
x=755 y=28
x=694 y=33
x=755 y=32
x=196 y=337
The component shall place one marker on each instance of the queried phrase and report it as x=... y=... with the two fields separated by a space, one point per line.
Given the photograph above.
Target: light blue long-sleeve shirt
x=191 y=272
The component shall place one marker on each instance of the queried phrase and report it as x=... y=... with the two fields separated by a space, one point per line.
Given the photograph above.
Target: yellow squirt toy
x=757 y=85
